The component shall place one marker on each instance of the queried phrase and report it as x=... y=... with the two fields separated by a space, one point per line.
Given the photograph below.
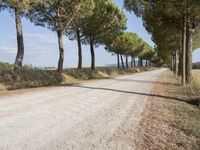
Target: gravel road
x=100 y=115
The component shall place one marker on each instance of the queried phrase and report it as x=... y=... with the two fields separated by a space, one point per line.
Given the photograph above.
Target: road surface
x=102 y=114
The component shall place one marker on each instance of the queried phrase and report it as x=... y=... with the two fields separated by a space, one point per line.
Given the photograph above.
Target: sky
x=41 y=48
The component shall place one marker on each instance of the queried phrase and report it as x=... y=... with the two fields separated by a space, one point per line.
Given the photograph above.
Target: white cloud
x=39 y=44
x=42 y=38
x=35 y=44
x=9 y=50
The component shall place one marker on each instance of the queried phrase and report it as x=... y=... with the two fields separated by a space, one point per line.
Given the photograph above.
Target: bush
x=196 y=66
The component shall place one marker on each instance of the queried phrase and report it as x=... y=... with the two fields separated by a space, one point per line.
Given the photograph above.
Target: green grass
x=6 y=66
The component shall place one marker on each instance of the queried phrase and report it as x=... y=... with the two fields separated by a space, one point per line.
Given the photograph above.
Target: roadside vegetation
x=193 y=89
x=172 y=122
x=196 y=66
x=30 y=77
x=175 y=30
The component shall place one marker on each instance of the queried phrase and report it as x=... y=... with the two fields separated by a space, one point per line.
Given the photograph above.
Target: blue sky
x=41 y=48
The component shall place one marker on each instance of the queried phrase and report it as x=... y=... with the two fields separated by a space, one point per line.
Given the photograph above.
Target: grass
x=171 y=123
x=6 y=66
x=31 y=77
x=193 y=89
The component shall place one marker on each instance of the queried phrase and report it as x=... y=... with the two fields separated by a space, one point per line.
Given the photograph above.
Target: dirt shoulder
x=169 y=120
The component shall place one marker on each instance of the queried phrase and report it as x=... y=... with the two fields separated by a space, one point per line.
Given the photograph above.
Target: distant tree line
x=130 y=45
x=91 y=22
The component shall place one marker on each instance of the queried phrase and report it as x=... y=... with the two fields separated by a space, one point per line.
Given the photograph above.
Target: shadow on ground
x=145 y=81
x=133 y=92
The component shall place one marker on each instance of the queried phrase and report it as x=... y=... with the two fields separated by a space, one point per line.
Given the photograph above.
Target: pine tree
x=58 y=16
x=105 y=23
x=18 y=9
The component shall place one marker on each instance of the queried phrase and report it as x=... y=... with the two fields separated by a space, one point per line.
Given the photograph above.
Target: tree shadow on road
x=130 y=92
x=145 y=81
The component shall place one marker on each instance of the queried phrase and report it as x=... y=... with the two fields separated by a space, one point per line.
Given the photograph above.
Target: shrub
x=196 y=66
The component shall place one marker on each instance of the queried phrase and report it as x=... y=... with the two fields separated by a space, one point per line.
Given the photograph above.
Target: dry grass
x=171 y=122
x=29 y=78
x=193 y=89
x=35 y=77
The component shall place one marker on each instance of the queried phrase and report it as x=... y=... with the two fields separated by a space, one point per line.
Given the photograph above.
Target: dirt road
x=101 y=114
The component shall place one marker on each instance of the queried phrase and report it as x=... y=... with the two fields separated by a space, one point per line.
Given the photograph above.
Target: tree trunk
x=61 y=51
x=180 y=64
x=20 y=42
x=138 y=62
x=146 y=63
x=189 y=51
x=184 y=50
x=176 y=63
x=122 y=61
x=118 y=64
x=92 y=54
x=127 y=62
x=141 y=62
x=172 y=64
x=79 y=50
x=132 y=61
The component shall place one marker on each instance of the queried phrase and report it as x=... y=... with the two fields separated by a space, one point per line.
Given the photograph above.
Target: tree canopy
x=174 y=26
x=131 y=45
x=106 y=22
